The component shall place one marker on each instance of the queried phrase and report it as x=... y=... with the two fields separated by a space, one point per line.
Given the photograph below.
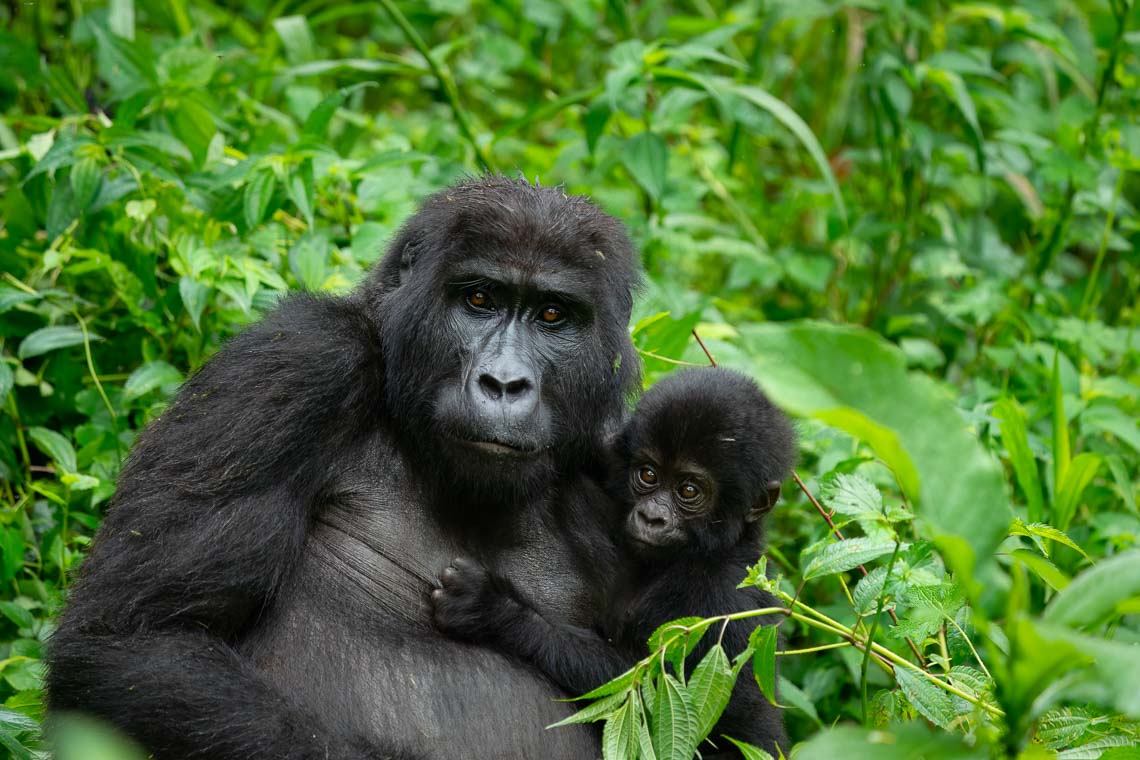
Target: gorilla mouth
x=500 y=448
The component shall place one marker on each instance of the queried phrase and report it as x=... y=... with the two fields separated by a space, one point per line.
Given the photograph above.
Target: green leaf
x=889 y=743
x=816 y=369
x=792 y=695
x=1091 y=598
x=867 y=591
x=86 y=177
x=55 y=446
x=619 y=737
x=1109 y=676
x=150 y=376
x=7 y=380
x=830 y=558
x=674 y=721
x=748 y=751
x=1076 y=478
x=11 y=552
x=193 y=125
x=647 y=158
x=187 y=68
x=1015 y=439
x=595 y=711
x=1061 y=451
x=308 y=258
x=1042 y=568
x=1038 y=531
x=317 y=124
x=47 y=339
x=709 y=688
x=297 y=38
x=194 y=296
x=257 y=196
x=763 y=643
x=798 y=127
x=17 y=614
x=933 y=703
x=852 y=495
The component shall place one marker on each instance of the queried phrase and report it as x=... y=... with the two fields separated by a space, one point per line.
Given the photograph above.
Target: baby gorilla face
x=670 y=500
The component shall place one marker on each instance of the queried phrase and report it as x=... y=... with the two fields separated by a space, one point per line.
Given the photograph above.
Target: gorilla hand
x=471 y=603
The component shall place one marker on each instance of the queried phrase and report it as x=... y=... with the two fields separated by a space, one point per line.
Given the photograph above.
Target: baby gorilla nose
x=497 y=389
x=648 y=519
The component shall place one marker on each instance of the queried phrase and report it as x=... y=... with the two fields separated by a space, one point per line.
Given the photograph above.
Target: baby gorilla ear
x=764 y=503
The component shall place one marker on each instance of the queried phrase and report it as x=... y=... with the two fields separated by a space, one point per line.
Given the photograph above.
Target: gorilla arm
x=209 y=519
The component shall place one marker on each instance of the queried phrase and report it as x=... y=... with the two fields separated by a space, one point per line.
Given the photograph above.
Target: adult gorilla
x=260 y=587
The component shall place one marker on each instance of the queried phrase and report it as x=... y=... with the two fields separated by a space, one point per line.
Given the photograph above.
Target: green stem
x=1090 y=288
x=874 y=627
x=443 y=74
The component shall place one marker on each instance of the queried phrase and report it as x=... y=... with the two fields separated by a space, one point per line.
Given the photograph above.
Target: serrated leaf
x=1092 y=596
x=852 y=494
x=595 y=711
x=710 y=687
x=621 y=683
x=47 y=339
x=763 y=643
x=55 y=446
x=867 y=591
x=1041 y=530
x=674 y=721
x=841 y=556
x=150 y=376
x=619 y=736
x=933 y=703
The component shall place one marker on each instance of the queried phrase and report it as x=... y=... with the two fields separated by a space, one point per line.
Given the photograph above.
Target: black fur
x=716 y=430
x=259 y=588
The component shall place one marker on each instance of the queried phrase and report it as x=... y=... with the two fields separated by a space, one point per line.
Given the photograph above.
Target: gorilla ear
x=767 y=500
x=409 y=254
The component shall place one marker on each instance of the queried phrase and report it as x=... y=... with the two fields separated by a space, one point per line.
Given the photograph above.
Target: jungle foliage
x=913 y=222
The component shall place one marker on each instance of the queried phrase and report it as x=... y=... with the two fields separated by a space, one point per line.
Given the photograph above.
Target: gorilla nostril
x=491 y=386
x=518 y=387
x=649 y=520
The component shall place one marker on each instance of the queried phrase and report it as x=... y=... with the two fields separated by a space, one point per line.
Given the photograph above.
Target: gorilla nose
x=649 y=519
x=500 y=389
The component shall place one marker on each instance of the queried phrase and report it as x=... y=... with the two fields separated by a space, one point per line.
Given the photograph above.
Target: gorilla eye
x=551 y=315
x=478 y=300
x=689 y=493
x=647 y=477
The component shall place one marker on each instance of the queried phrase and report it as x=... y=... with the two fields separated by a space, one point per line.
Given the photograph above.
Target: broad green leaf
x=11 y=552
x=646 y=158
x=837 y=557
x=148 y=377
x=186 y=67
x=709 y=688
x=17 y=614
x=935 y=704
x=77 y=738
x=1112 y=671
x=1042 y=568
x=798 y=127
x=1091 y=598
x=909 y=742
x=308 y=259
x=47 y=339
x=867 y=591
x=852 y=495
x=86 y=177
x=297 y=37
x=1016 y=442
x=194 y=296
x=55 y=446
x=121 y=18
x=257 y=196
x=814 y=369
x=748 y=751
x=193 y=125
x=763 y=643
x=792 y=695
x=1076 y=478
x=619 y=737
x=621 y=683
x=674 y=728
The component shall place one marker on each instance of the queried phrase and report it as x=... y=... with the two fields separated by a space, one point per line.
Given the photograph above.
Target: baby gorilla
x=695 y=471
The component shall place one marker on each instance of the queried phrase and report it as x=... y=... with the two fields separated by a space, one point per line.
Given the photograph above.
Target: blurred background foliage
x=908 y=220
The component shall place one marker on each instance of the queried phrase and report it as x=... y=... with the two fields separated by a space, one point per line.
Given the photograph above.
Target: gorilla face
x=503 y=310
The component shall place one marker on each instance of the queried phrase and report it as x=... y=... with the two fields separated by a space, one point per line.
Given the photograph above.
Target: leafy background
x=913 y=222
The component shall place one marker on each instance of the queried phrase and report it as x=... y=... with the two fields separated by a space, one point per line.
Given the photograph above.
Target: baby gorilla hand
x=470 y=603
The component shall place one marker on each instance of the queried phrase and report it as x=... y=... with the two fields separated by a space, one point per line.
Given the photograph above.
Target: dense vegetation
x=913 y=222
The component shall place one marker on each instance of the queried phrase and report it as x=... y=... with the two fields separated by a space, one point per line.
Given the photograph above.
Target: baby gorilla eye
x=478 y=299
x=647 y=476
x=552 y=315
x=689 y=492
